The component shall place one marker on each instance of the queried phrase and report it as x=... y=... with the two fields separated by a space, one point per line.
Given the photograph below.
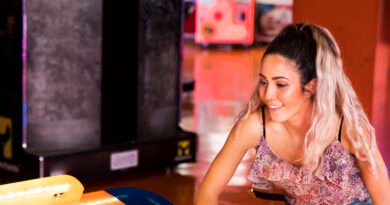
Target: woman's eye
x=281 y=85
x=262 y=82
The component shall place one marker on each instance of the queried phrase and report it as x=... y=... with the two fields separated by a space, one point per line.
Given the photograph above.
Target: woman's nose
x=269 y=93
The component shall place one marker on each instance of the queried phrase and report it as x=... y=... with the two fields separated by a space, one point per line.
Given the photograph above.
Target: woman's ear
x=311 y=87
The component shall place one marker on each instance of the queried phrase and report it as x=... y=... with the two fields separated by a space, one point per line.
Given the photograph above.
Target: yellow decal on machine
x=183 y=150
x=6 y=137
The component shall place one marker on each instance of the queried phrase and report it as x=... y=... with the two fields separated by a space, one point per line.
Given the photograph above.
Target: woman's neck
x=298 y=126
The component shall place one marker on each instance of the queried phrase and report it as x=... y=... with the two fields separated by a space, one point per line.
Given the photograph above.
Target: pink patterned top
x=336 y=181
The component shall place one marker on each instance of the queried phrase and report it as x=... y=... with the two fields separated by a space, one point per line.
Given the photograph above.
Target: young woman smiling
x=312 y=138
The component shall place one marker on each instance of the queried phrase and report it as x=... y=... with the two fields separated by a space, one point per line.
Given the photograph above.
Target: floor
x=224 y=77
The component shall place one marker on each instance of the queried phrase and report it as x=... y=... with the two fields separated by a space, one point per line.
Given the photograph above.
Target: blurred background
x=144 y=94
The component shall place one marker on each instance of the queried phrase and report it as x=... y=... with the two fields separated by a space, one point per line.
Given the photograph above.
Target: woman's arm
x=240 y=139
x=378 y=186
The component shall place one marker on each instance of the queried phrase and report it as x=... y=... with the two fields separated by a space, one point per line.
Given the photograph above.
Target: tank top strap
x=340 y=128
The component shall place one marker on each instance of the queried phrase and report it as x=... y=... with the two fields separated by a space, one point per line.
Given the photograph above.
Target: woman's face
x=281 y=91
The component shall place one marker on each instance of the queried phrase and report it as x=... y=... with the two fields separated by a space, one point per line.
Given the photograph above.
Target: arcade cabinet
x=88 y=90
x=224 y=22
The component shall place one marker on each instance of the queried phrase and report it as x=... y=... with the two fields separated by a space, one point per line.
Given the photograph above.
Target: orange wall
x=354 y=25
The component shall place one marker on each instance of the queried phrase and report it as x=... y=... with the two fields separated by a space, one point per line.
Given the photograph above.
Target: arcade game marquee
x=89 y=90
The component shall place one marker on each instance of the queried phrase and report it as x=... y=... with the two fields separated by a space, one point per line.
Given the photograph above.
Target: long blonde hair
x=317 y=56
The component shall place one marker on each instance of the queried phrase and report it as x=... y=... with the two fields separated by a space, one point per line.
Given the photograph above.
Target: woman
x=312 y=137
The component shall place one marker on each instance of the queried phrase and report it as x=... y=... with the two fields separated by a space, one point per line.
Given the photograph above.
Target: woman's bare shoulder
x=249 y=128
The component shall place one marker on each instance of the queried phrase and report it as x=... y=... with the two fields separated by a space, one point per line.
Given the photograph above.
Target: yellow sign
x=183 y=150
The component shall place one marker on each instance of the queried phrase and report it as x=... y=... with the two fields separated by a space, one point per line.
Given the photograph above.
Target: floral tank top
x=336 y=181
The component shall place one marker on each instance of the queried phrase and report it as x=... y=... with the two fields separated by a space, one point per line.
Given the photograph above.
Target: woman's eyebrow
x=274 y=78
